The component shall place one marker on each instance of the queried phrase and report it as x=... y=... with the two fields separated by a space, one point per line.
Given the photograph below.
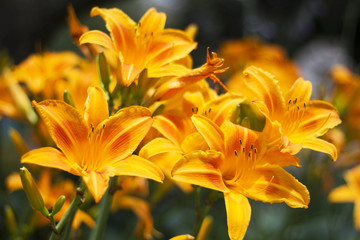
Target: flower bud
x=68 y=98
x=10 y=221
x=183 y=237
x=58 y=205
x=32 y=192
x=205 y=228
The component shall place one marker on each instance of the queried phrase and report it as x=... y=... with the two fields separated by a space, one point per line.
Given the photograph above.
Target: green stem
x=69 y=215
x=104 y=211
x=201 y=212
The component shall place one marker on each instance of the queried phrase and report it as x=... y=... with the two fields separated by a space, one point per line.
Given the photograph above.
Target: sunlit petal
x=152 y=21
x=261 y=85
x=66 y=126
x=123 y=132
x=97 y=37
x=50 y=157
x=210 y=131
x=300 y=91
x=318 y=117
x=139 y=167
x=273 y=184
x=97 y=183
x=96 y=107
x=200 y=168
x=238 y=213
x=320 y=145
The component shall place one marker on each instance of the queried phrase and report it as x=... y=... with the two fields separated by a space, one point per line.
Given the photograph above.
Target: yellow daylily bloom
x=138 y=46
x=50 y=193
x=234 y=166
x=298 y=120
x=94 y=146
x=242 y=53
x=349 y=192
x=61 y=70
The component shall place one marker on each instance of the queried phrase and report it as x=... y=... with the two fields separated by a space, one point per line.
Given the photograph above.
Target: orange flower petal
x=123 y=132
x=120 y=26
x=138 y=167
x=200 y=168
x=261 y=85
x=279 y=158
x=170 y=45
x=210 y=131
x=162 y=152
x=174 y=126
x=152 y=21
x=219 y=109
x=82 y=217
x=273 y=184
x=319 y=116
x=66 y=126
x=97 y=183
x=50 y=157
x=96 y=107
x=97 y=37
x=238 y=212
x=194 y=142
x=342 y=194
x=300 y=90
x=320 y=145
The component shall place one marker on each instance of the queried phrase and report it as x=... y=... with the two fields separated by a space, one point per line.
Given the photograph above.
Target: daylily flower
x=242 y=53
x=138 y=46
x=349 y=192
x=94 y=146
x=231 y=166
x=295 y=121
x=50 y=193
x=61 y=70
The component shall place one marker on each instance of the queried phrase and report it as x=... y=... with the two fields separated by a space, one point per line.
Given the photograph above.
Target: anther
x=295 y=100
x=197 y=109
x=103 y=126
x=255 y=150
x=210 y=110
x=235 y=153
x=240 y=142
x=298 y=108
x=243 y=150
x=289 y=101
x=304 y=105
x=249 y=154
x=252 y=146
x=192 y=109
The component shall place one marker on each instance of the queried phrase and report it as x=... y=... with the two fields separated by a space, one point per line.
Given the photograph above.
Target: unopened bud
x=205 y=228
x=183 y=237
x=58 y=205
x=32 y=192
x=10 y=221
x=18 y=141
x=68 y=98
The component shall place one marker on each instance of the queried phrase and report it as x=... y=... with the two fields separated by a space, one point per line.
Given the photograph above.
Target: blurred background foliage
x=316 y=34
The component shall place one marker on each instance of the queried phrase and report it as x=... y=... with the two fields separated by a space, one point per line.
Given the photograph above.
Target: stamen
x=210 y=110
x=252 y=146
x=236 y=153
x=240 y=142
x=295 y=101
x=289 y=101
